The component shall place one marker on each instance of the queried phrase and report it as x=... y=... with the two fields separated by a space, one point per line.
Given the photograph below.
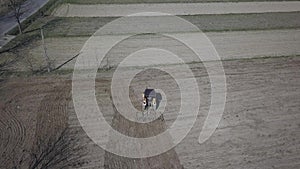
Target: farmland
x=39 y=127
x=259 y=86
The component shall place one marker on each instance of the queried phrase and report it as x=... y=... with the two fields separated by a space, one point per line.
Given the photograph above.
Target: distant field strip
x=86 y=26
x=230 y=45
x=116 y=10
x=153 y=1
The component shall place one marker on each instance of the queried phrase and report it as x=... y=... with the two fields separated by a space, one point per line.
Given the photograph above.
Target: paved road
x=69 y=10
x=8 y=21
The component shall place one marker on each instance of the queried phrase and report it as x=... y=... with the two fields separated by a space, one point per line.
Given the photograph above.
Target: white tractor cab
x=149 y=99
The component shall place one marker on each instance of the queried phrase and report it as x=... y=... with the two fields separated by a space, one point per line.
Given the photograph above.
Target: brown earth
x=259 y=128
x=34 y=123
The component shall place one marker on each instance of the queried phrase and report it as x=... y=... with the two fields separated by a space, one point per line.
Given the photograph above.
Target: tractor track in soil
x=260 y=123
x=23 y=102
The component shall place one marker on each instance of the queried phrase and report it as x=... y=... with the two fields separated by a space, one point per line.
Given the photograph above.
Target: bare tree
x=16 y=6
x=57 y=152
x=45 y=51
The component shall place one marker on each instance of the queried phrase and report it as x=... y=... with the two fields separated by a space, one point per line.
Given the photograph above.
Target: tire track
x=15 y=130
x=18 y=116
x=52 y=111
x=54 y=147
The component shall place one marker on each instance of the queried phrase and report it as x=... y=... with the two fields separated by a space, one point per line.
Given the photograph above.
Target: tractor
x=149 y=99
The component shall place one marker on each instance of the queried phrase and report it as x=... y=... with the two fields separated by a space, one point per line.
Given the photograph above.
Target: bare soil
x=229 y=45
x=259 y=128
x=26 y=116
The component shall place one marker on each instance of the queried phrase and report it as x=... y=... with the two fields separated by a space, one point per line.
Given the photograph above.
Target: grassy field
x=230 y=45
x=59 y=30
x=3 y=7
x=76 y=26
